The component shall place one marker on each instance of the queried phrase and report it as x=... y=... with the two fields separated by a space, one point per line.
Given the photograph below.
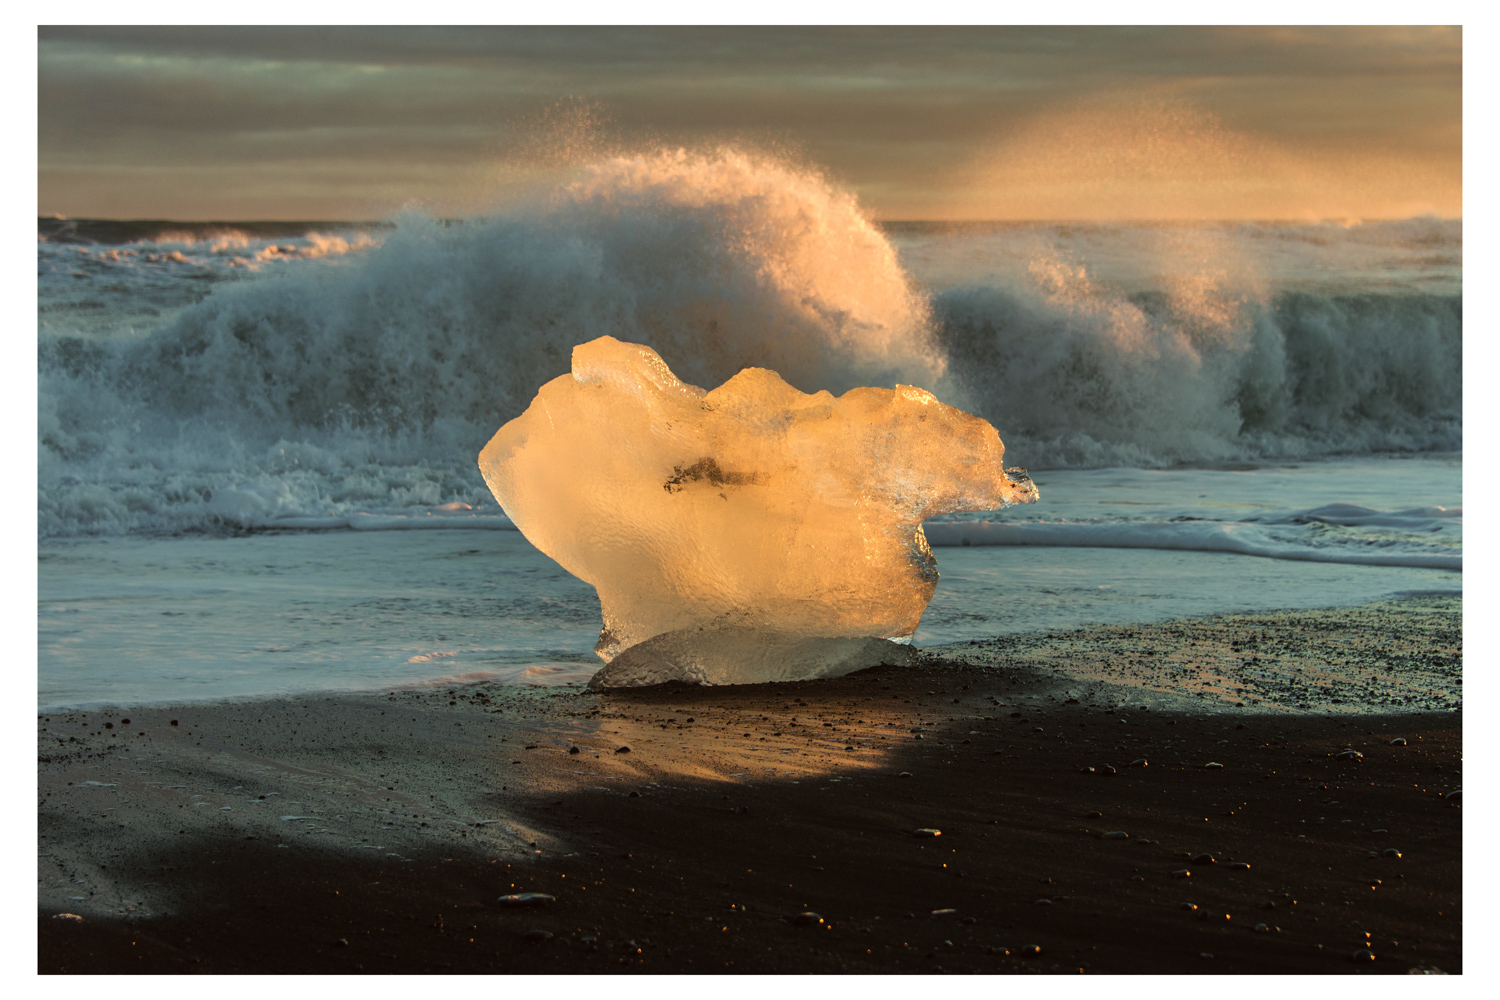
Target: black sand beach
x=376 y=833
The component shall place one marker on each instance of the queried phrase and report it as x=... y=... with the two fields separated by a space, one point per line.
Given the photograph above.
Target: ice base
x=746 y=656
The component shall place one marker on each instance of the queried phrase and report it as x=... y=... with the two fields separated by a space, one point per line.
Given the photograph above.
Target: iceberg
x=747 y=534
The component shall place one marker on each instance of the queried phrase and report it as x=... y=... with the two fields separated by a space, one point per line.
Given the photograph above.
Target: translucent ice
x=751 y=533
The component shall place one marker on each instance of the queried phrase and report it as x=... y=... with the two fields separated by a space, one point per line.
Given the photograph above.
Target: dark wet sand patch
x=385 y=840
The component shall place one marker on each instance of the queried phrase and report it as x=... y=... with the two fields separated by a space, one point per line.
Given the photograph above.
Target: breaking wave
x=1077 y=375
x=364 y=371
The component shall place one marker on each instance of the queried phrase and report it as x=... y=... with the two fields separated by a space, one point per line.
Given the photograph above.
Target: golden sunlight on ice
x=747 y=534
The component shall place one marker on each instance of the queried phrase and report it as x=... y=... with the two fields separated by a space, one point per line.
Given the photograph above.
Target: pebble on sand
x=68 y=916
x=1390 y=852
x=1213 y=765
x=1362 y=956
x=1138 y=762
x=946 y=911
x=537 y=937
x=1093 y=815
x=1190 y=907
x=1182 y=873
x=1399 y=741
x=904 y=774
x=1114 y=835
x=1204 y=859
x=527 y=899
x=926 y=831
x=808 y=919
x=1262 y=928
x=1241 y=865
x=623 y=750
x=1349 y=755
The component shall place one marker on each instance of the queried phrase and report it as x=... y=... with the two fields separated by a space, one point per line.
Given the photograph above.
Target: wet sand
x=376 y=833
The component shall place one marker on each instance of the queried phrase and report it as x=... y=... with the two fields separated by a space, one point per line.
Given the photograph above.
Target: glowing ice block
x=754 y=532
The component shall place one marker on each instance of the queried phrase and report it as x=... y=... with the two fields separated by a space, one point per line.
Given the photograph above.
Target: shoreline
x=257 y=835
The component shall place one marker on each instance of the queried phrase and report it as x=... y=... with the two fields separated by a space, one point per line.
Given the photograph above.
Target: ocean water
x=248 y=432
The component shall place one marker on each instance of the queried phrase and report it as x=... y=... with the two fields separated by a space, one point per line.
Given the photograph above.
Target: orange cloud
x=1168 y=160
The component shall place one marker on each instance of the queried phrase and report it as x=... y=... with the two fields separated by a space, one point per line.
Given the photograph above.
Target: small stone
x=1362 y=955
x=1108 y=770
x=526 y=899
x=1093 y=815
x=945 y=912
x=1349 y=755
x=1213 y=765
x=1454 y=798
x=1138 y=762
x=1114 y=835
x=1190 y=907
x=808 y=919
x=1081 y=770
x=1044 y=902
x=1205 y=954
x=72 y=917
x=1390 y=852
x=926 y=831
x=1381 y=830
x=1399 y=741
x=1182 y=873
x=1029 y=950
x=904 y=774
x=971 y=920
x=1268 y=905
x=572 y=749
x=537 y=937
x=623 y=750
x=1262 y=928
x=1240 y=865
x=634 y=795
x=1203 y=859
x=341 y=943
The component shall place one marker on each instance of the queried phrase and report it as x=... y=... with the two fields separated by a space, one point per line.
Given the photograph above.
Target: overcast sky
x=921 y=123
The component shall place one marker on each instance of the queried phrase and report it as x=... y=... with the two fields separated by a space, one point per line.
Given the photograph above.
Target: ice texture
x=752 y=533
